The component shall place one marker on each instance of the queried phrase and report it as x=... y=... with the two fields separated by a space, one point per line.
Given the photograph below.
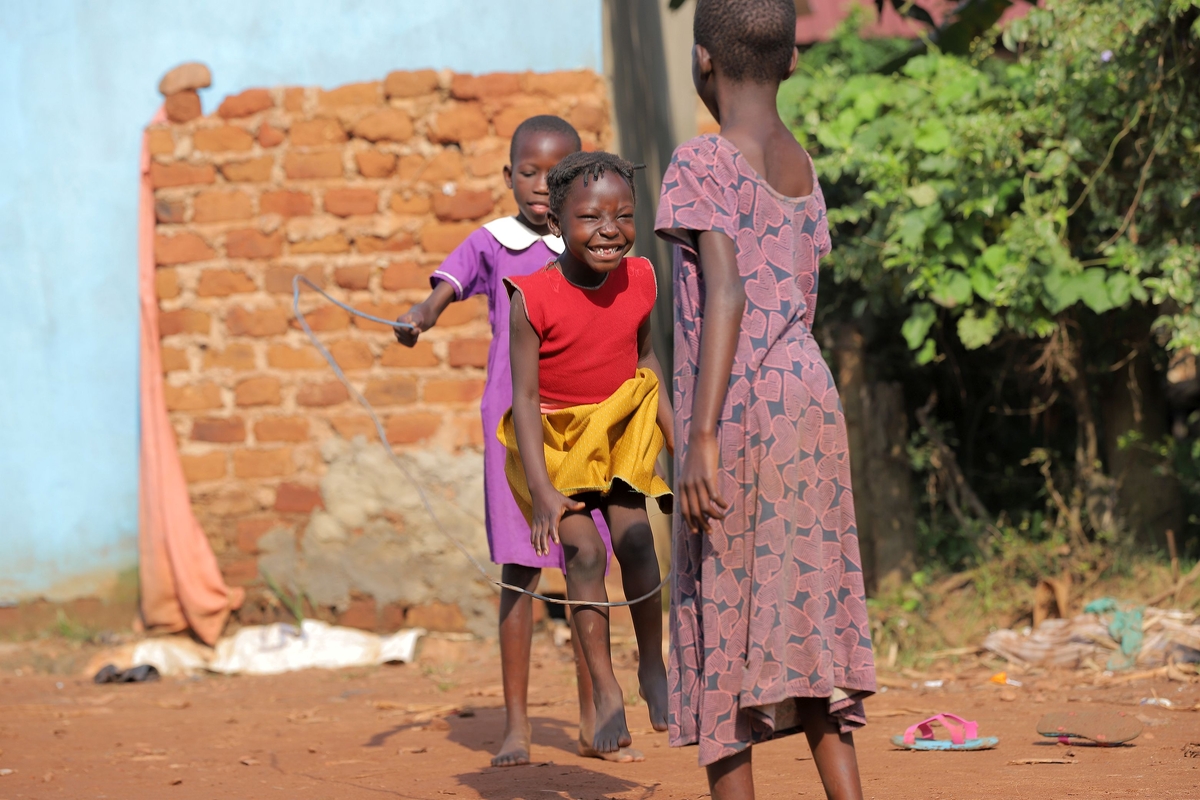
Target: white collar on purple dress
x=512 y=233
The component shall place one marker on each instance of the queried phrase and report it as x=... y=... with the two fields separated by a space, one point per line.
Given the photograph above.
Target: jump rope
x=300 y=279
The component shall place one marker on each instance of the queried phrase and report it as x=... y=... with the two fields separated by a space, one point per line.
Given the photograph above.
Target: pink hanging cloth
x=181 y=584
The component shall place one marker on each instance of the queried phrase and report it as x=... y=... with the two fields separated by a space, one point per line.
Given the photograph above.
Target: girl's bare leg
x=732 y=778
x=633 y=545
x=587 y=710
x=832 y=751
x=516 y=634
x=586 y=559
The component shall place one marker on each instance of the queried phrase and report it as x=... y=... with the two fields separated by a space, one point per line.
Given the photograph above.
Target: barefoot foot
x=612 y=732
x=514 y=751
x=653 y=689
x=625 y=755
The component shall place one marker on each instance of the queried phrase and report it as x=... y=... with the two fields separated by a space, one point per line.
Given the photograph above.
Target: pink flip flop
x=964 y=735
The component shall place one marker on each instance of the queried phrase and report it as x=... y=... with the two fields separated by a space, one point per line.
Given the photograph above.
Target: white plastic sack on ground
x=271 y=649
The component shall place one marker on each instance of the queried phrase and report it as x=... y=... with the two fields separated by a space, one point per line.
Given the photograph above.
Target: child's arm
x=425 y=313
x=647 y=358
x=724 y=304
x=549 y=504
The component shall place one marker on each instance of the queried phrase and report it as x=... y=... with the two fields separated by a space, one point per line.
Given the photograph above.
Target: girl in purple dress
x=768 y=609
x=503 y=248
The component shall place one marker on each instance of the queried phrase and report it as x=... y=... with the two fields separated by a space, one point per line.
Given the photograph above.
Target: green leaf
x=975 y=332
x=932 y=137
x=928 y=353
x=953 y=290
x=916 y=327
x=922 y=195
x=984 y=284
x=1093 y=290
x=911 y=228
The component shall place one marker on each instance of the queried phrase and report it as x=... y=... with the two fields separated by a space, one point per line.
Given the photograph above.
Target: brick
x=185 y=320
x=164 y=176
x=385 y=310
x=326 y=318
x=245 y=103
x=416 y=205
x=226 y=430
x=352 y=355
x=391 y=391
x=412 y=428
x=350 y=427
x=402 y=275
x=166 y=283
x=249 y=243
x=237 y=356
x=507 y=120
x=484 y=87
x=249 y=531
x=183 y=106
x=463 y=122
x=356 y=277
x=348 y=202
x=419 y=355
x=374 y=164
x=226 y=138
x=273 y=463
x=361 y=614
x=556 y=84
x=443 y=237
x=469 y=352
x=192 y=397
x=462 y=313
x=325 y=393
x=446 y=617
x=409 y=166
x=256 y=170
x=160 y=142
x=170 y=211
x=396 y=243
x=191 y=75
x=388 y=125
x=488 y=163
x=463 y=205
x=589 y=117
x=352 y=94
x=240 y=572
x=278 y=280
x=240 y=321
x=293 y=98
x=410 y=84
x=286 y=203
x=333 y=243
x=445 y=166
x=258 y=391
x=453 y=391
x=316 y=132
x=224 y=282
x=208 y=467
x=296 y=498
x=281 y=429
x=391 y=618
x=280 y=356
x=310 y=166
x=270 y=136
x=221 y=206
x=468 y=432
x=174 y=359
x=181 y=248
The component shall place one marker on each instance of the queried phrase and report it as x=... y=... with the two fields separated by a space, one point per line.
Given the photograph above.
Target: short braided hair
x=751 y=39
x=543 y=123
x=590 y=165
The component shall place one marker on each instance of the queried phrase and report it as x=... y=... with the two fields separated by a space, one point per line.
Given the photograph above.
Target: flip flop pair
x=964 y=735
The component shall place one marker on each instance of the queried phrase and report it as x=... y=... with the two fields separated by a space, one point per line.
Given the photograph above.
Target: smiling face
x=596 y=222
x=534 y=155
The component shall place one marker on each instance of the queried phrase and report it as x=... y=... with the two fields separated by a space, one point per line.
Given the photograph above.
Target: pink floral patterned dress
x=770 y=606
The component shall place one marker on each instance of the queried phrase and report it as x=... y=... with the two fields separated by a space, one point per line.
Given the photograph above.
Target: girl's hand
x=698 y=498
x=418 y=316
x=548 y=511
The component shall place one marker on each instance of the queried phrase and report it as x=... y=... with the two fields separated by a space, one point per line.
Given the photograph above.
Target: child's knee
x=586 y=559
x=636 y=546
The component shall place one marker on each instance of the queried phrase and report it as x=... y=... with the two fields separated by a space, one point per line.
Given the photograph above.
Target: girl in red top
x=588 y=420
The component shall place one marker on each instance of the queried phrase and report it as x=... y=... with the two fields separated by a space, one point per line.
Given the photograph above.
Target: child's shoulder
x=702 y=152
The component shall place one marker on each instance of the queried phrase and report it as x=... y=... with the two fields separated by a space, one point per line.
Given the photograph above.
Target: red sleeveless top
x=589 y=337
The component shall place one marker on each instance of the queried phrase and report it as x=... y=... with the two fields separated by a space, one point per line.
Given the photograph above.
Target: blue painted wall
x=78 y=81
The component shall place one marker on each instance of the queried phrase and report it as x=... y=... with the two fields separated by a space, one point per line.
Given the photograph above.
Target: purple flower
x=1106 y=56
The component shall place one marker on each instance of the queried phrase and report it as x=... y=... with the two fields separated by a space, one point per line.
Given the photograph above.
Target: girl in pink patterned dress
x=768 y=610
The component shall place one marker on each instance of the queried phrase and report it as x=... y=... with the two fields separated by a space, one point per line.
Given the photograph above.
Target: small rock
x=1008 y=695
x=4 y=772
x=176 y=782
x=183 y=107
x=249 y=762
x=439 y=724
x=192 y=75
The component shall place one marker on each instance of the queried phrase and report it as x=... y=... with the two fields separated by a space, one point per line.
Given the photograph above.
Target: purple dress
x=501 y=249
x=770 y=606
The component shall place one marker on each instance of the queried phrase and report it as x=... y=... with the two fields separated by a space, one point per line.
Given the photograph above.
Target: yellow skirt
x=589 y=447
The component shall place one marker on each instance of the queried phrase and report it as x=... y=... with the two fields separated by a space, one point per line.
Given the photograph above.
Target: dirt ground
x=427 y=730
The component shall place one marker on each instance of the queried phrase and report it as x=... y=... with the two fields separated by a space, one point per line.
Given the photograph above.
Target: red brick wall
x=364 y=189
